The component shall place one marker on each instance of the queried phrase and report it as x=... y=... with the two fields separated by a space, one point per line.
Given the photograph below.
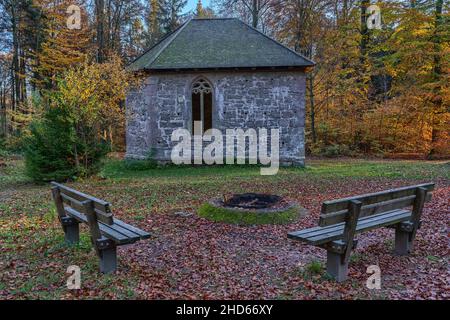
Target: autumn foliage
x=374 y=91
x=79 y=119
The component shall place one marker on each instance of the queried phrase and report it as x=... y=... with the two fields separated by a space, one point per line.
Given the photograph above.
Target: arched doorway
x=202 y=104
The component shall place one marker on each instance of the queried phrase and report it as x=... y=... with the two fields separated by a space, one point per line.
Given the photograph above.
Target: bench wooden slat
x=75 y=198
x=320 y=230
x=368 y=223
x=114 y=232
x=370 y=198
x=106 y=218
x=125 y=229
x=314 y=231
x=122 y=227
x=80 y=195
x=141 y=233
x=74 y=203
x=122 y=230
x=316 y=236
x=371 y=209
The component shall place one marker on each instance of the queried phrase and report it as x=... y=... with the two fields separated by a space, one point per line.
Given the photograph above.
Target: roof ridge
x=277 y=42
x=174 y=32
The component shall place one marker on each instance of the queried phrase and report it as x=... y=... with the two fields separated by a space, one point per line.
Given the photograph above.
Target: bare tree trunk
x=255 y=13
x=2 y=110
x=345 y=12
x=13 y=86
x=77 y=160
x=437 y=75
x=312 y=106
x=15 y=63
x=22 y=77
x=364 y=31
x=100 y=17
x=111 y=138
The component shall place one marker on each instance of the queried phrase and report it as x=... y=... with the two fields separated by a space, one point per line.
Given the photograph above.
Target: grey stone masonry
x=241 y=99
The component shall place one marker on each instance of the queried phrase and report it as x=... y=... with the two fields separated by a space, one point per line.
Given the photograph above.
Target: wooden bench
x=341 y=219
x=107 y=232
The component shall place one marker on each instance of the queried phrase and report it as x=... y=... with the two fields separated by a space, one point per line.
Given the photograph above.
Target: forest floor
x=189 y=257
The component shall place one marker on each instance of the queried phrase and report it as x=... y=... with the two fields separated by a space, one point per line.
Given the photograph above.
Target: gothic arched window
x=202 y=104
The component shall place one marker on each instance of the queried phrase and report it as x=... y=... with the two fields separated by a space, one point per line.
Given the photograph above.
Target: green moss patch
x=215 y=212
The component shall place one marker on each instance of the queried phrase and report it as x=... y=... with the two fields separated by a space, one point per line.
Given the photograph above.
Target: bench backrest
x=336 y=211
x=77 y=200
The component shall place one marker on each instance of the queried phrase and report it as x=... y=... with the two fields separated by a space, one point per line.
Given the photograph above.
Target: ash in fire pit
x=252 y=201
x=252 y=208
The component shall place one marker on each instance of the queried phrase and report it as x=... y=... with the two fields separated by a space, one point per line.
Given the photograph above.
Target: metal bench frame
x=341 y=219
x=74 y=207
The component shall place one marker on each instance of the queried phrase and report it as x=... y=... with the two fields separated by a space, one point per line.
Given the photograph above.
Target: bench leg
x=108 y=260
x=72 y=233
x=403 y=244
x=335 y=267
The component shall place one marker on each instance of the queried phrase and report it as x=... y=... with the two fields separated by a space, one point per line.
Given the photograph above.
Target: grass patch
x=357 y=257
x=124 y=169
x=314 y=267
x=433 y=259
x=381 y=169
x=139 y=165
x=131 y=169
x=228 y=215
x=13 y=174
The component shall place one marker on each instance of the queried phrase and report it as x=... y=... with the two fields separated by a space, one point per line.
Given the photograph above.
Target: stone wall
x=240 y=100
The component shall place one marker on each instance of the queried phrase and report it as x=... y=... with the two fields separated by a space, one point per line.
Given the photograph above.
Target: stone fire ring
x=286 y=212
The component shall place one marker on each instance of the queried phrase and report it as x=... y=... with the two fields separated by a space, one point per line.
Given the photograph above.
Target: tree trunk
x=111 y=138
x=437 y=75
x=312 y=106
x=2 y=111
x=345 y=12
x=22 y=77
x=255 y=13
x=364 y=32
x=100 y=17
x=15 y=63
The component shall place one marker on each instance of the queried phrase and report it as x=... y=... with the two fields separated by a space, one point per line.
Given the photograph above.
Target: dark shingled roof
x=217 y=43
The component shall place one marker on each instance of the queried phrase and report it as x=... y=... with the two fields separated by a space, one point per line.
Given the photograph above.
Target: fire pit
x=252 y=208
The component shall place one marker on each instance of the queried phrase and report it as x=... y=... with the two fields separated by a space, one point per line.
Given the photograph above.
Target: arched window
x=202 y=104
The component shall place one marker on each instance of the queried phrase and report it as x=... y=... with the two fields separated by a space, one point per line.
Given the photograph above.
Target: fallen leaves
x=193 y=258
